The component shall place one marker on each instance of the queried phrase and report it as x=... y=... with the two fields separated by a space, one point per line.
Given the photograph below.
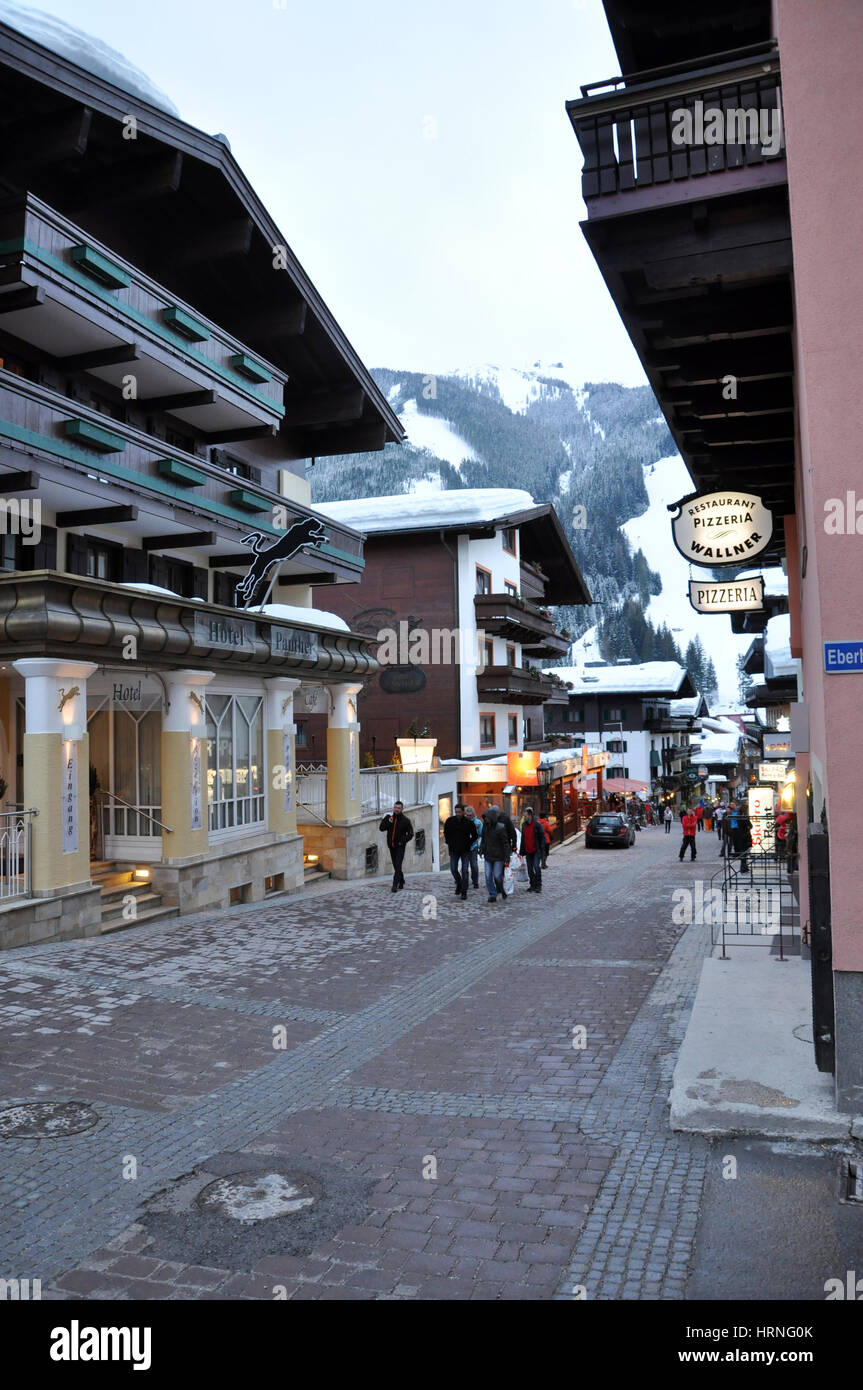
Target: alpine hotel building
x=166 y=368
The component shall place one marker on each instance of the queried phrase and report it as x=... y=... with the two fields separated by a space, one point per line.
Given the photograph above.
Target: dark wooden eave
x=175 y=202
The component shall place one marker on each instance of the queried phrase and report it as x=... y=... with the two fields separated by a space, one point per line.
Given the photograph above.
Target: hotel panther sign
x=721 y=528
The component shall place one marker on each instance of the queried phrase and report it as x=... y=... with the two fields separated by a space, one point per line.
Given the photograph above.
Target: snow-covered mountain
x=598 y=446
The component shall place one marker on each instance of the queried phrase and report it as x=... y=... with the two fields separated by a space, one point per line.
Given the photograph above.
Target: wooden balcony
x=502 y=615
x=73 y=458
x=631 y=132
x=511 y=685
x=67 y=295
x=694 y=243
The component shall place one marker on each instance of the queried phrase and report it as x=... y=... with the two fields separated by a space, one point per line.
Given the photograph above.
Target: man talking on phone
x=399 y=832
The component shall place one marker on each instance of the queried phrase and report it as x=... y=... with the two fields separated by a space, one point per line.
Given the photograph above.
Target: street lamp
x=543 y=781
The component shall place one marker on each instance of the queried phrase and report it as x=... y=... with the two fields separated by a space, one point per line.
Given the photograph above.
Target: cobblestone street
x=412 y=1063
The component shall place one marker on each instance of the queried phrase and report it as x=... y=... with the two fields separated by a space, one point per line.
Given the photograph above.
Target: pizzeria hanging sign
x=737 y=596
x=721 y=528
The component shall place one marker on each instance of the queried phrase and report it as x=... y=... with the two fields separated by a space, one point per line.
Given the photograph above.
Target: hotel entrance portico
x=183 y=769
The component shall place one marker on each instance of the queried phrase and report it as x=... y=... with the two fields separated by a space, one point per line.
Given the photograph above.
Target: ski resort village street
x=454 y=1100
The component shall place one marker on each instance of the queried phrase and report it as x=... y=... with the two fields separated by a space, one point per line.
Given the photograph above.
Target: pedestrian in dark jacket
x=739 y=830
x=496 y=849
x=460 y=835
x=470 y=814
x=510 y=828
x=399 y=833
x=533 y=843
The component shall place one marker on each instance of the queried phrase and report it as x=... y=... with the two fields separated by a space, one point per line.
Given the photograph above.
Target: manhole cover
x=46 y=1119
x=256 y=1196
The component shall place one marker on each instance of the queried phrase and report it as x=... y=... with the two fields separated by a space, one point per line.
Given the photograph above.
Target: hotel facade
x=166 y=369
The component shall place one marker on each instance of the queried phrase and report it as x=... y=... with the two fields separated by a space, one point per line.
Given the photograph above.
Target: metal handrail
x=687 y=65
x=313 y=812
x=100 y=791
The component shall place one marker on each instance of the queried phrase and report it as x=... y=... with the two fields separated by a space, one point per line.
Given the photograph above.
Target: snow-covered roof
x=720 y=740
x=778 y=661
x=408 y=512
x=293 y=613
x=688 y=707
x=648 y=677
x=87 y=52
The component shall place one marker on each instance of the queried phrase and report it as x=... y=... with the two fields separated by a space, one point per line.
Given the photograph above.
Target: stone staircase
x=117 y=883
x=313 y=875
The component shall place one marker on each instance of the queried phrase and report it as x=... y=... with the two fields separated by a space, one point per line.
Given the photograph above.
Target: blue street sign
x=843 y=656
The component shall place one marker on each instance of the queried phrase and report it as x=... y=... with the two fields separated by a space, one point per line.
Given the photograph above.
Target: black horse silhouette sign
x=303 y=534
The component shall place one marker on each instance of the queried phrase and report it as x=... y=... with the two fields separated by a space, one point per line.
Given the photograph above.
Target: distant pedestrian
x=460 y=835
x=471 y=815
x=399 y=832
x=668 y=817
x=532 y=842
x=688 y=821
x=718 y=818
x=699 y=816
x=740 y=835
x=546 y=849
x=496 y=850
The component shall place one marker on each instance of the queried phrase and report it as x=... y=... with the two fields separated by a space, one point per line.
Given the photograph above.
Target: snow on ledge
x=293 y=613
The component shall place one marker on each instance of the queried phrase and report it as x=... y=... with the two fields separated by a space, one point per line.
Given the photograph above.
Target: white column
x=184 y=765
x=57 y=769
x=344 y=797
x=281 y=765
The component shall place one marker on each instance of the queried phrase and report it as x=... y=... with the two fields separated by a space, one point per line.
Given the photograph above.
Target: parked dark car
x=609 y=829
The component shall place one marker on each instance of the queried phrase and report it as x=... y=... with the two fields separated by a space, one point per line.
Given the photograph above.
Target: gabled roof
x=476 y=512
x=175 y=202
x=646 y=678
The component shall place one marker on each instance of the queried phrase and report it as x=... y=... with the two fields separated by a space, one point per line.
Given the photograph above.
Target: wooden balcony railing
x=626 y=126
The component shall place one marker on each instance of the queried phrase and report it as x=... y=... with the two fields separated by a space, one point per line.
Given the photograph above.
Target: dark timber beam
x=222 y=562
x=281 y=322
x=103 y=357
x=747 y=359
x=132 y=180
x=358 y=439
x=750 y=398
x=48 y=140
x=29 y=298
x=180 y=540
x=96 y=516
x=742 y=314
x=220 y=244
x=327 y=408
x=742 y=429
x=235 y=436
x=25 y=481
x=181 y=400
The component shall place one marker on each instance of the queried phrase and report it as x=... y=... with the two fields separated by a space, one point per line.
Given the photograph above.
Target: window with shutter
x=76 y=554
x=200 y=582
x=135 y=568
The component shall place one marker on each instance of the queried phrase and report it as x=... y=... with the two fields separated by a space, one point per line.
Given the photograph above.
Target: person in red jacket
x=699 y=816
x=689 y=821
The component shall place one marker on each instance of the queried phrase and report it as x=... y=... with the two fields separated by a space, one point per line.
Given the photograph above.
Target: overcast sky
x=416 y=156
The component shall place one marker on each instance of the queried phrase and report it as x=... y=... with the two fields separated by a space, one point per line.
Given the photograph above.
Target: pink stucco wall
x=820 y=47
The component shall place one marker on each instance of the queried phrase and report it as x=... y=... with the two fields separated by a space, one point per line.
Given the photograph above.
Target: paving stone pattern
x=425 y=1048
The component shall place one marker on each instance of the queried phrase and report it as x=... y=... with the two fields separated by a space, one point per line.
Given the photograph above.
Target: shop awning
x=625 y=784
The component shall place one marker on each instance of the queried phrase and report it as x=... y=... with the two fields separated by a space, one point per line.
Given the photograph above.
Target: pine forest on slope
x=584 y=447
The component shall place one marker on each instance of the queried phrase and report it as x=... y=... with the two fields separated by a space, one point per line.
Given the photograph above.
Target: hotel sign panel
x=722 y=528
x=220 y=633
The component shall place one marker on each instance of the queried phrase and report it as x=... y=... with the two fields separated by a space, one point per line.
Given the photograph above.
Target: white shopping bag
x=508 y=881
x=519 y=868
